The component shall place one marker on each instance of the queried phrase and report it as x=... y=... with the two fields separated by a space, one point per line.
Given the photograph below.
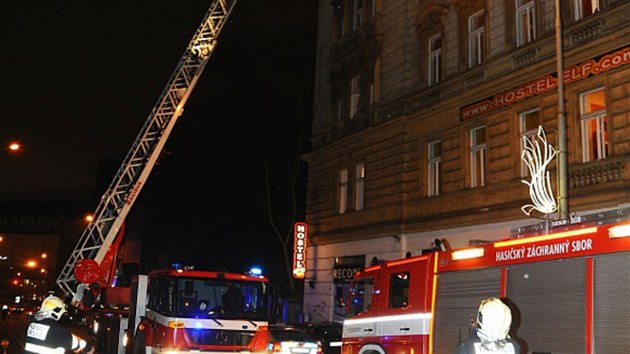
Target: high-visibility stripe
x=78 y=343
x=40 y=349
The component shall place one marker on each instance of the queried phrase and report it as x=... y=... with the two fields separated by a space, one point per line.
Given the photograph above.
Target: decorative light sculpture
x=538 y=154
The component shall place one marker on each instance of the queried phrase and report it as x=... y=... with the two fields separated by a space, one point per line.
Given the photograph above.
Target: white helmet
x=54 y=307
x=493 y=319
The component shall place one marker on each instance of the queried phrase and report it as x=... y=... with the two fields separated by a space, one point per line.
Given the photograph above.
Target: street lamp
x=31 y=264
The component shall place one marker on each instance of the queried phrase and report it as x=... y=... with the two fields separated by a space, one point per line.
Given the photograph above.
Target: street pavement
x=13 y=329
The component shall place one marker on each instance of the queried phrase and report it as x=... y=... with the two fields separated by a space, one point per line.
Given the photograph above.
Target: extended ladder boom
x=135 y=169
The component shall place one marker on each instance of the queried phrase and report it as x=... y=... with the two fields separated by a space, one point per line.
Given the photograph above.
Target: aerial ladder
x=94 y=254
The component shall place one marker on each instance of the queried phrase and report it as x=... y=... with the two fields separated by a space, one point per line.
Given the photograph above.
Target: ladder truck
x=567 y=290
x=186 y=310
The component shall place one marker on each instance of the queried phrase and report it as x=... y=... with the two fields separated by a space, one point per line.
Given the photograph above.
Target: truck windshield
x=220 y=298
x=360 y=296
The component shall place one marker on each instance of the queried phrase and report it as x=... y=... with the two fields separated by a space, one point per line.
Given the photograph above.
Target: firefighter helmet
x=494 y=319
x=53 y=307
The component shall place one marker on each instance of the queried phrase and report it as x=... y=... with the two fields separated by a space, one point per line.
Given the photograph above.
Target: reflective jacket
x=474 y=345
x=46 y=336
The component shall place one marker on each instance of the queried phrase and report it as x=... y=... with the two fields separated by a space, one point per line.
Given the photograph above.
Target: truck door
x=362 y=307
x=405 y=315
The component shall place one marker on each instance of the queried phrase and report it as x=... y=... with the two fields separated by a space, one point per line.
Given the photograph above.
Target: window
x=359 y=184
x=435 y=159
x=476 y=29
x=357 y=14
x=477 y=156
x=354 y=96
x=435 y=57
x=584 y=8
x=529 y=121
x=361 y=299
x=343 y=190
x=339 y=110
x=525 y=22
x=398 y=290
x=594 y=123
x=161 y=296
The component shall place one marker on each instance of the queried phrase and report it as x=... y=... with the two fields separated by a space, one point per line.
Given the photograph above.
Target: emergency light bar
x=468 y=253
x=545 y=237
x=619 y=231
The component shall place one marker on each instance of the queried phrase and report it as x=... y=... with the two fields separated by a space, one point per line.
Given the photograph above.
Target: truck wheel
x=139 y=343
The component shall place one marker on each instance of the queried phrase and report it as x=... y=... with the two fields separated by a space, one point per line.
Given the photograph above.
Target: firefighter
x=490 y=333
x=45 y=335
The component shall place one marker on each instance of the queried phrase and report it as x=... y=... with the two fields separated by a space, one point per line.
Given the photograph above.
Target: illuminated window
x=476 y=47
x=529 y=121
x=435 y=58
x=594 y=121
x=477 y=156
x=399 y=290
x=584 y=8
x=343 y=190
x=354 y=96
x=435 y=160
x=525 y=22
x=359 y=184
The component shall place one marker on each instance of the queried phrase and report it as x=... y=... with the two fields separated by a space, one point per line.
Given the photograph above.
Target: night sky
x=79 y=78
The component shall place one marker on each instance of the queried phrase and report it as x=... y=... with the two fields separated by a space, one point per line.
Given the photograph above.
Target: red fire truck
x=567 y=288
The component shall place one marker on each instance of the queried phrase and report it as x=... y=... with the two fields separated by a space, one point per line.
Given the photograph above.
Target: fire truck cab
x=390 y=300
x=192 y=311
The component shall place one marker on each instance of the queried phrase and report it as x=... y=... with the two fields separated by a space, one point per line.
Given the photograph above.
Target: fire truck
x=178 y=310
x=567 y=287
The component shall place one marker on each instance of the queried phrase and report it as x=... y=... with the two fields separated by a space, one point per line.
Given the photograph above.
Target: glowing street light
x=44 y=255
x=89 y=218
x=31 y=264
x=15 y=146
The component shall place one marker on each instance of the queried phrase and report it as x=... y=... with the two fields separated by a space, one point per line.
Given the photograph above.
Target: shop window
x=435 y=169
x=525 y=21
x=399 y=290
x=359 y=186
x=343 y=190
x=435 y=59
x=529 y=123
x=584 y=8
x=594 y=121
x=477 y=156
x=476 y=38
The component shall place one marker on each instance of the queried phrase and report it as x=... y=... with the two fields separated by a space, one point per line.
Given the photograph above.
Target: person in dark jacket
x=490 y=335
x=45 y=335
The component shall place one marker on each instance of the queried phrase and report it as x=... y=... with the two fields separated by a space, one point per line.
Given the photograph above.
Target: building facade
x=420 y=115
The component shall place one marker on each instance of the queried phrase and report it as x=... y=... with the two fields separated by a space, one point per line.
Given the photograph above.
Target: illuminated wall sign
x=300 y=234
x=546 y=83
x=346 y=267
